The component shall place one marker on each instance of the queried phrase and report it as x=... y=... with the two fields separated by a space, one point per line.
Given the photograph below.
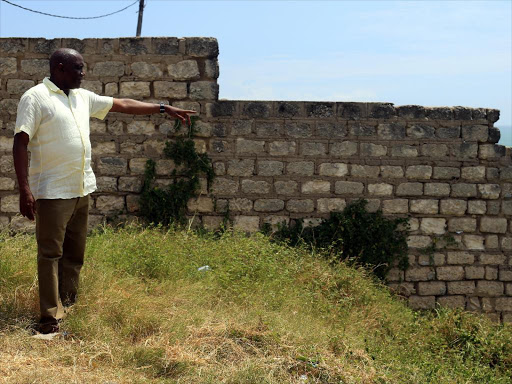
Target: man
x=53 y=124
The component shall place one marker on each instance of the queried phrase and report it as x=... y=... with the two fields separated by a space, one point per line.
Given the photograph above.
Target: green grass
x=264 y=313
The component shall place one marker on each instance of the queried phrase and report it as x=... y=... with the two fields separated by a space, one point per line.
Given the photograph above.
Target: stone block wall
x=275 y=161
x=441 y=167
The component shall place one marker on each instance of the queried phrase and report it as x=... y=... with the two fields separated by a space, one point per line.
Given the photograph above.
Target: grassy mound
x=261 y=313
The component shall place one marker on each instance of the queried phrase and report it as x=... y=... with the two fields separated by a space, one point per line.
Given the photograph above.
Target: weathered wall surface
x=276 y=161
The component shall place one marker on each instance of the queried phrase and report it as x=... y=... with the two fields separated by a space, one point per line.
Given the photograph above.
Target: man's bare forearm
x=20 y=155
x=135 y=107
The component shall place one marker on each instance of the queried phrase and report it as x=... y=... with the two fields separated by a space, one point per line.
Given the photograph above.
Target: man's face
x=73 y=72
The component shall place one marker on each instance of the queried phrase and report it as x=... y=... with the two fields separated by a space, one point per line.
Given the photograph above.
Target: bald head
x=66 y=68
x=63 y=56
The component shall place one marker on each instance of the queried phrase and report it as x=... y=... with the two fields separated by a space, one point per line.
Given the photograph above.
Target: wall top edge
x=191 y=46
x=108 y=38
x=349 y=110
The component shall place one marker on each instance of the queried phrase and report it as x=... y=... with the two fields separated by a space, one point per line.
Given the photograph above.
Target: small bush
x=166 y=205
x=367 y=238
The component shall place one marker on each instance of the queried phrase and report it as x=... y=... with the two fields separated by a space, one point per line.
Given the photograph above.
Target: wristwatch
x=162 y=108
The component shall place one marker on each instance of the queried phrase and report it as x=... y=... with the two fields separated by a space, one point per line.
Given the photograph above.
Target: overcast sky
x=430 y=53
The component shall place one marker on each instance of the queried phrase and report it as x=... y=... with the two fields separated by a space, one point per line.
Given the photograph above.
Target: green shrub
x=166 y=205
x=367 y=238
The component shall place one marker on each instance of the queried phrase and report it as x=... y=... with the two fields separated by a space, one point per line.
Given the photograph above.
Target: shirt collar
x=52 y=87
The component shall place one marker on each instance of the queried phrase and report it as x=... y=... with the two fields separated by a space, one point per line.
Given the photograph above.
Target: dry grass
x=265 y=313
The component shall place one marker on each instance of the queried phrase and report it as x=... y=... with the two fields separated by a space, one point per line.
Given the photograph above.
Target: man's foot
x=46 y=328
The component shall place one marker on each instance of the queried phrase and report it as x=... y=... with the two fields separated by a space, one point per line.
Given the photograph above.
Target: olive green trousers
x=61 y=230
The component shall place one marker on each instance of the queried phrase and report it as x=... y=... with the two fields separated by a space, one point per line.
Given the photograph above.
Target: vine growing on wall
x=168 y=204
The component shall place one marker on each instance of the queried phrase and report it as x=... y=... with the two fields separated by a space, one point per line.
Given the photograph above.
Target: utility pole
x=141 y=11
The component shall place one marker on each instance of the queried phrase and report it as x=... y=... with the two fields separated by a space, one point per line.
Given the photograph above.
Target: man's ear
x=60 y=66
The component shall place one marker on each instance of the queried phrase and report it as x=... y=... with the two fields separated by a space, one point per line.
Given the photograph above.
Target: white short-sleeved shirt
x=60 y=148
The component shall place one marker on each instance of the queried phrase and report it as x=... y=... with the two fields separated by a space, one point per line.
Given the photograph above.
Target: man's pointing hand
x=182 y=114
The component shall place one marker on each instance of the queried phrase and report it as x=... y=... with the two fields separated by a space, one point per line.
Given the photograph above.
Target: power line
x=70 y=17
